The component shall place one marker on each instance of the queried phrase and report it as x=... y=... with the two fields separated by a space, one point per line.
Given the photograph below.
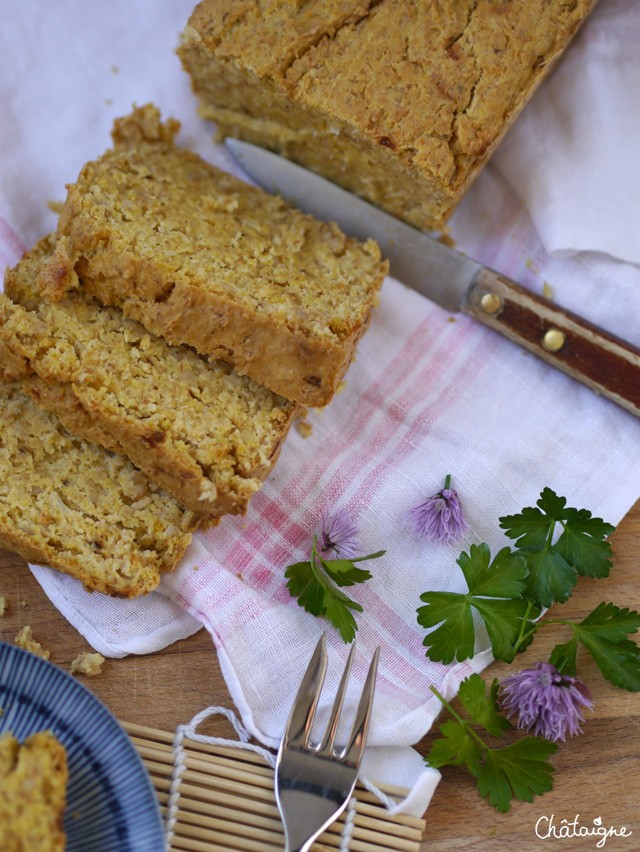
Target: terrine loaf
x=33 y=793
x=200 y=257
x=72 y=505
x=399 y=101
x=194 y=426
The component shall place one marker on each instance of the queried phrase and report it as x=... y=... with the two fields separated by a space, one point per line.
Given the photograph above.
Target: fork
x=314 y=782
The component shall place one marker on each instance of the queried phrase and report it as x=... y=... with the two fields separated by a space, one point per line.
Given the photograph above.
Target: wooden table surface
x=598 y=773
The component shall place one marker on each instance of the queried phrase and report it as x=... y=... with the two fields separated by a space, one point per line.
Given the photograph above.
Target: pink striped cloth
x=429 y=394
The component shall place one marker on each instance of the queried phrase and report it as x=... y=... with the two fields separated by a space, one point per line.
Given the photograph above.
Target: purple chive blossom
x=546 y=702
x=439 y=518
x=339 y=536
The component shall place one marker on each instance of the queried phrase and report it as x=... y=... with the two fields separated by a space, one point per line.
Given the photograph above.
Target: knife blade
x=607 y=364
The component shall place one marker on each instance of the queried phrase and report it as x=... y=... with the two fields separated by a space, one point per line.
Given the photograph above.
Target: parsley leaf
x=563 y=656
x=344 y=572
x=494 y=592
x=483 y=707
x=555 y=565
x=520 y=770
x=454 y=747
x=315 y=584
x=531 y=526
x=582 y=543
x=604 y=634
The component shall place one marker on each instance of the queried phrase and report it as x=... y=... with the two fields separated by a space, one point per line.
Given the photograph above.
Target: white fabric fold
x=573 y=153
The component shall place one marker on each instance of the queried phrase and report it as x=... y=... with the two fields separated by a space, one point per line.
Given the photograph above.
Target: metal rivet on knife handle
x=554 y=340
x=491 y=303
x=601 y=361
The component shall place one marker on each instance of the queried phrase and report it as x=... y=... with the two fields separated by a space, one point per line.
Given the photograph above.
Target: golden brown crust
x=401 y=102
x=76 y=507
x=195 y=427
x=199 y=257
x=33 y=789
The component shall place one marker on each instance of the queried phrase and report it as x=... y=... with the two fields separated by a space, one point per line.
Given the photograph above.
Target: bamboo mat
x=227 y=802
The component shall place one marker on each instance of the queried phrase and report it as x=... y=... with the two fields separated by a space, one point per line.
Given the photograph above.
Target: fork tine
x=313 y=788
x=329 y=737
x=355 y=746
x=304 y=707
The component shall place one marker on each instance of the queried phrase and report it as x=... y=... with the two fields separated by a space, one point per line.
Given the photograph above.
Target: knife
x=605 y=363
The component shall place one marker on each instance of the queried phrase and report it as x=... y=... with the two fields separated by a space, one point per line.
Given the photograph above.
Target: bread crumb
x=115 y=69
x=304 y=428
x=23 y=602
x=446 y=239
x=55 y=206
x=547 y=290
x=86 y=663
x=24 y=639
x=3 y=606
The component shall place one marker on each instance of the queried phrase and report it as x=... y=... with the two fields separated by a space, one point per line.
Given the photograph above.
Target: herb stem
x=523 y=638
x=467 y=727
x=566 y=621
x=522 y=635
x=313 y=563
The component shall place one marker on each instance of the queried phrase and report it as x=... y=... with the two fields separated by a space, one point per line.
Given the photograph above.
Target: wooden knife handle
x=603 y=362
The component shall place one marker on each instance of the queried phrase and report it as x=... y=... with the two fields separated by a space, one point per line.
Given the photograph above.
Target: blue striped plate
x=111 y=804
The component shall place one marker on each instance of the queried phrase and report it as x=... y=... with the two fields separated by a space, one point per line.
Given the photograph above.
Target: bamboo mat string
x=349 y=822
x=190 y=731
x=174 y=789
x=222 y=798
x=387 y=801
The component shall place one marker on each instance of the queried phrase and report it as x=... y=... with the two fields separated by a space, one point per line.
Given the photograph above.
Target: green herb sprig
x=510 y=591
x=520 y=770
x=315 y=584
x=554 y=545
x=555 y=563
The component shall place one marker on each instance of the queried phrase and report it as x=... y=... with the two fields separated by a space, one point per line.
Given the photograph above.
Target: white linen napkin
x=429 y=394
x=573 y=153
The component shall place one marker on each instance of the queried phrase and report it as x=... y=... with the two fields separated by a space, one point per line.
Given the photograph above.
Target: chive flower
x=339 y=535
x=546 y=702
x=439 y=518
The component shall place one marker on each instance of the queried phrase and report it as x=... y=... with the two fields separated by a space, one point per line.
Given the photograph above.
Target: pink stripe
x=11 y=246
x=378 y=611
x=260 y=557
x=371 y=399
x=268 y=580
x=270 y=510
x=377 y=395
x=256 y=555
